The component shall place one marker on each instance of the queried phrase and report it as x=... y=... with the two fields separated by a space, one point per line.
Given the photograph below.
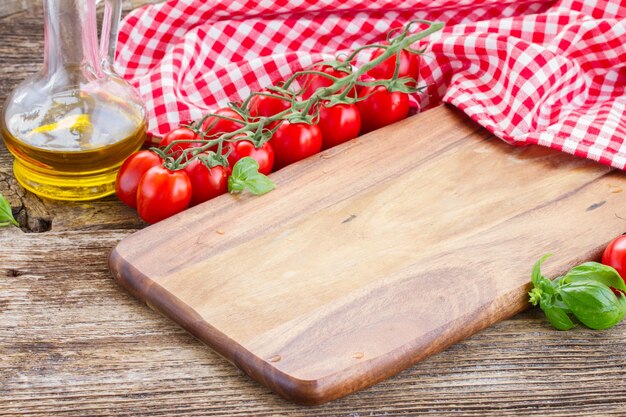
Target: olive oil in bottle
x=71 y=126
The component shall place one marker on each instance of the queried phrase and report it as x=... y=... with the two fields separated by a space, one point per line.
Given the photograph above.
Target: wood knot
x=596 y=205
x=349 y=219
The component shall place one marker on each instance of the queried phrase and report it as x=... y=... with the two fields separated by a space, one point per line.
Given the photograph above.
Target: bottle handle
x=110 y=30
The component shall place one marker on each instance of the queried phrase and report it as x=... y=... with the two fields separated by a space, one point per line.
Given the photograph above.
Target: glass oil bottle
x=71 y=126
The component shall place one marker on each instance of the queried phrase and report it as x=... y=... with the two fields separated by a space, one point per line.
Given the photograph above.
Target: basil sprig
x=246 y=175
x=585 y=292
x=6 y=215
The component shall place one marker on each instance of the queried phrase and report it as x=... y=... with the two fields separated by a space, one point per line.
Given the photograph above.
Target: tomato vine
x=235 y=147
x=209 y=148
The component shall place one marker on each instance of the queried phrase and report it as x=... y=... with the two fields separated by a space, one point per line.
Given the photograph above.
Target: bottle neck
x=70 y=35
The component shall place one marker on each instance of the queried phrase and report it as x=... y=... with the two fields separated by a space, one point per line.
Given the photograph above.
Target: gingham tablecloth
x=532 y=72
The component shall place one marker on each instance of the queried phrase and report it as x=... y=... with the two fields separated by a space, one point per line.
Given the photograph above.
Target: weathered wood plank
x=73 y=343
x=9 y=7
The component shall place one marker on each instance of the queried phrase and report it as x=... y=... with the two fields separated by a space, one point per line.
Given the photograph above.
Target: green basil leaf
x=535 y=275
x=235 y=186
x=558 y=302
x=597 y=272
x=244 y=168
x=557 y=317
x=260 y=184
x=246 y=175
x=593 y=303
x=538 y=280
x=622 y=303
x=6 y=215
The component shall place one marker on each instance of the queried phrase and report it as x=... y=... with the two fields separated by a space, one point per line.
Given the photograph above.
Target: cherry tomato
x=162 y=193
x=615 y=255
x=313 y=82
x=206 y=183
x=339 y=124
x=180 y=133
x=264 y=106
x=263 y=155
x=131 y=172
x=295 y=141
x=409 y=66
x=381 y=107
x=213 y=126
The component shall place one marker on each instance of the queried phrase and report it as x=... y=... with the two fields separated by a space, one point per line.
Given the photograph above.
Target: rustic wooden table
x=73 y=343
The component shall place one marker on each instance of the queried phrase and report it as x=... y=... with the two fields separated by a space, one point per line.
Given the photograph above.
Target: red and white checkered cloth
x=532 y=72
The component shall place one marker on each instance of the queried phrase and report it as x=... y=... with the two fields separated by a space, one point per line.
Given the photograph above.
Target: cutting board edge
x=332 y=386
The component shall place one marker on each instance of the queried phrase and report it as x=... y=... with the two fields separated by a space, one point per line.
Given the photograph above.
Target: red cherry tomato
x=295 y=141
x=181 y=133
x=213 y=125
x=206 y=183
x=313 y=82
x=339 y=124
x=263 y=155
x=615 y=255
x=265 y=106
x=162 y=193
x=381 y=107
x=409 y=66
x=131 y=172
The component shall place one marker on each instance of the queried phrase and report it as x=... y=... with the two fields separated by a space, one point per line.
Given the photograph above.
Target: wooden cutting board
x=373 y=255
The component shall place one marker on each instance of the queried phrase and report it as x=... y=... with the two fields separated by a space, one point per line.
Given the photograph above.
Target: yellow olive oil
x=71 y=147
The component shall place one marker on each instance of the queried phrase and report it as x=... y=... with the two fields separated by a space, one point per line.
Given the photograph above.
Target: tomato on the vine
x=206 y=183
x=295 y=141
x=180 y=133
x=162 y=193
x=313 y=82
x=614 y=255
x=263 y=155
x=409 y=66
x=213 y=126
x=338 y=124
x=131 y=172
x=266 y=106
x=381 y=107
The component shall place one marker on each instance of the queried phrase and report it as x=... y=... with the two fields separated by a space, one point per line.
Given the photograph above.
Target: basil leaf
x=621 y=300
x=246 y=175
x=245 y=167
x=557 y=317
x=260 y=184
x=593 y=303
x=6 y=215
x=558 y=302
x=535 y=275
x=596 y=272
x=235 y=186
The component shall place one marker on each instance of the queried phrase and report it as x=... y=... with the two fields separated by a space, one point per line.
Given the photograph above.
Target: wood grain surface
x=372 y=255
x=72 y=343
